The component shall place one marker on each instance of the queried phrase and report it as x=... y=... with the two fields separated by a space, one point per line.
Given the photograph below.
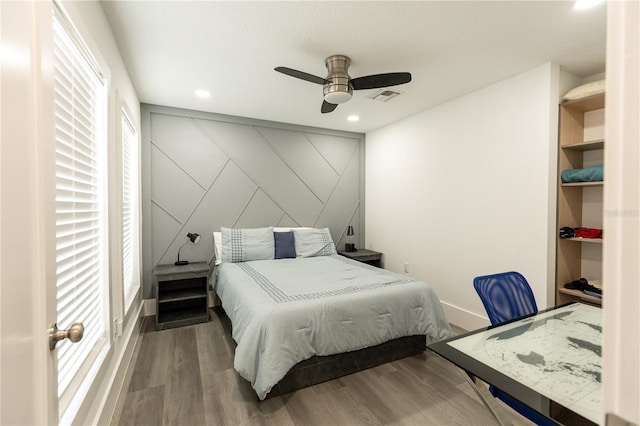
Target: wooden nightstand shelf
x=369 y=257
x=181 y=294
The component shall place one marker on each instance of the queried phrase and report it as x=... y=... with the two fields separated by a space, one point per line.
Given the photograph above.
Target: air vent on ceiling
x=384 y=95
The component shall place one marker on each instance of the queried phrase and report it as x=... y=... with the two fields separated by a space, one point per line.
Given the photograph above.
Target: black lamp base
x=181 y=262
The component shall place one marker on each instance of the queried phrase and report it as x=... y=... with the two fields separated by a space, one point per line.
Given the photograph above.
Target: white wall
x=467 y=189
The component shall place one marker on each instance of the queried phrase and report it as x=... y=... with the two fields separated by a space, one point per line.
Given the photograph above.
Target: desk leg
x=487 y=399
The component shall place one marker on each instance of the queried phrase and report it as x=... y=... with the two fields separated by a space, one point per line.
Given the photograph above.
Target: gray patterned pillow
x=242 y=245
x=313 y=242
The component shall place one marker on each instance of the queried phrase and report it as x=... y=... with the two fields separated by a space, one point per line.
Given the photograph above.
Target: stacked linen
x=588 y=174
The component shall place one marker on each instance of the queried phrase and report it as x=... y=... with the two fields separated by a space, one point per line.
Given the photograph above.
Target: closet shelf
x=581 y=295
x=589 y=103
x=581 y=184
x=584 y=240
x=585 y=146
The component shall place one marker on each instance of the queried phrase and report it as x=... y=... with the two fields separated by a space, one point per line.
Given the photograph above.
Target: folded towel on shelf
x=588 y=174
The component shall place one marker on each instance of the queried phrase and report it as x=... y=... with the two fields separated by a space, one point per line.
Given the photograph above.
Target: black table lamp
x=350 y=245
x=193 y=238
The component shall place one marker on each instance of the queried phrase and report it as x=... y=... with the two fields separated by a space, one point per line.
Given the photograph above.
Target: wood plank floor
x=185 y=376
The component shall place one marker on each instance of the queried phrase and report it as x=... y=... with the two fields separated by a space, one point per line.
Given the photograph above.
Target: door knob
x=74 y=333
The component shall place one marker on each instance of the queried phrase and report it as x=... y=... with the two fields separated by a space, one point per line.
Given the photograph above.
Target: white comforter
x=285 y=311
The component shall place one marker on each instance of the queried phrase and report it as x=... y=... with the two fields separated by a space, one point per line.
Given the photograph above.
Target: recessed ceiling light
x=586 y=4
x=202 y=93
x=353 y=118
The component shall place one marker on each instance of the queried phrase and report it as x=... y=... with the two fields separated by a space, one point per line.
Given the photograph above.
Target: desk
x=553 y=356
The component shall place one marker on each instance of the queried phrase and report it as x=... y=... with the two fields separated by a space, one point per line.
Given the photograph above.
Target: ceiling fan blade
x=301 y=75
x=327 y=107
x=380 y=80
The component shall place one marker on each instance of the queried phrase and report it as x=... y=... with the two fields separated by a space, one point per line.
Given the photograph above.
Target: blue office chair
x=507 y=296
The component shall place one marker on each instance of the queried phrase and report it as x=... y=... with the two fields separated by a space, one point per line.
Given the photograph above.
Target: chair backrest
x=505 y=296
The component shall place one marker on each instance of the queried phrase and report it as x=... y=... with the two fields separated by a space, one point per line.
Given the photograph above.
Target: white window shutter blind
x=130 y=234
x=81 y=238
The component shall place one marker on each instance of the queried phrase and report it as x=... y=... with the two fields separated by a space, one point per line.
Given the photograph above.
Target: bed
x=301 y=310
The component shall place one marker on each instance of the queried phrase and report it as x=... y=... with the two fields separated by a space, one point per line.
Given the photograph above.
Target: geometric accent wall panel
x=207 y=171
x=260 y=211
x=337 y=151
x=345 y=197
x=164 y=229
x=188 y=147
x=256 y=157
x=171 y=188
x=304 y=159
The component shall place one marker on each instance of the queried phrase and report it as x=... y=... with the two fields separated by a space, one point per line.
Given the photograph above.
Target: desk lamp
x=193 y=238
x=350 y=245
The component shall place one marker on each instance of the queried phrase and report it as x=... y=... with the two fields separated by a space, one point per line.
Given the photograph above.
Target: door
x=49 y=231
x=27 y=302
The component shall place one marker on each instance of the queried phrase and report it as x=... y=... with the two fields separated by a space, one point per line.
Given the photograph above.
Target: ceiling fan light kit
x=338 y=86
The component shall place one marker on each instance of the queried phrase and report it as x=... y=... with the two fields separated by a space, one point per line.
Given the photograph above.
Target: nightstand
x=181 y=294
x=369 y=257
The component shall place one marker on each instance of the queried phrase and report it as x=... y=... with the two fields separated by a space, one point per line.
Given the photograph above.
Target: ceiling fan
x=338 y=87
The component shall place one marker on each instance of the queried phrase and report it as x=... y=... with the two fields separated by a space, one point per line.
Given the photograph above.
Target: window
x=80 y=202
x=130 y=212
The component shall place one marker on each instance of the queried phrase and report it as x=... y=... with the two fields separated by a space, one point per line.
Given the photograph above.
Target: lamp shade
x=350 y=232
x=193 y=237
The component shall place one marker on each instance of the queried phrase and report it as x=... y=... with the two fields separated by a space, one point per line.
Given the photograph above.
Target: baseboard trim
x=464 y=318
x=149 y=307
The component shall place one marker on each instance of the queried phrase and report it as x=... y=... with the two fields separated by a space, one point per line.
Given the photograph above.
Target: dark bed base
x=319 y=369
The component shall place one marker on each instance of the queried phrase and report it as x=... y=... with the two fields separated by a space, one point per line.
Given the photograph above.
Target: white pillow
x=242 y=245
x=286 y=229
x=217 y=247
x=313 y=242
x=584 y=91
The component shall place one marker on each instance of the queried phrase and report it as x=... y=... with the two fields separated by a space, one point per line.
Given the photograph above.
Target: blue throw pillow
x=285 y=245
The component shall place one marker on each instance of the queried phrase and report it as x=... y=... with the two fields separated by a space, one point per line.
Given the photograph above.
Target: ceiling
x=172 y=48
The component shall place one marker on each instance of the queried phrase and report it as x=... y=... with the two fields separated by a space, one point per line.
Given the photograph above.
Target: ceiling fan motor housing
x=338 y=89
